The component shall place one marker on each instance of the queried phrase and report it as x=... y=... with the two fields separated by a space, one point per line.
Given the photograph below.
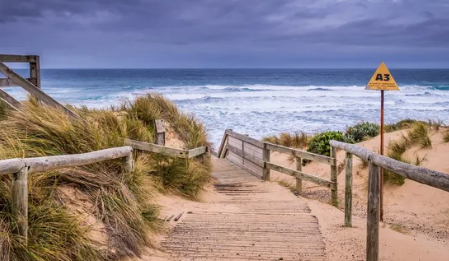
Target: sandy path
x=246 y=219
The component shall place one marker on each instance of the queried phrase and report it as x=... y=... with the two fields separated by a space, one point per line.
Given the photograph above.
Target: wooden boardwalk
x=256 y=221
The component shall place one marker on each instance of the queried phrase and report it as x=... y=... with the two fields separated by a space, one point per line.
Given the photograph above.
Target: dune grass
x=4 y=110
x=121 y=201
x=417 y=135
x=446 y=136
x=293 y=140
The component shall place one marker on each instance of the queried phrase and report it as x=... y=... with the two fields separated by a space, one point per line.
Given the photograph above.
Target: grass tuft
x=298 y=140
x=419 y=135
x=446 y=136
x=121 y=201
x=4 y=110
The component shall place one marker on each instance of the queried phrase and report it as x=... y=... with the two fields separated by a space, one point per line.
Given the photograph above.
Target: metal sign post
x=382 y=80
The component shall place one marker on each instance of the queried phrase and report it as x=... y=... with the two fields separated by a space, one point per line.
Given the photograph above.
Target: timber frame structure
x=32 y=84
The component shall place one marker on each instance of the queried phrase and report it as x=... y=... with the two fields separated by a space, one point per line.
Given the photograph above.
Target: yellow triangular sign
x=382 y=80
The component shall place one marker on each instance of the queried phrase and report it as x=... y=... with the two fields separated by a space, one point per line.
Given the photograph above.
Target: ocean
x=259 y=102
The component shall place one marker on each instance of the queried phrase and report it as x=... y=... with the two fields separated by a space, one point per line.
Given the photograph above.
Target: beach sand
x=416 y=223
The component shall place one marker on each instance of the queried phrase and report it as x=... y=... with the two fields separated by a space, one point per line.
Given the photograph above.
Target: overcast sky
x=227 y=33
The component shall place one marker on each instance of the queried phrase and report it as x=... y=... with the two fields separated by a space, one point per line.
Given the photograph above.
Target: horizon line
x=239 y=68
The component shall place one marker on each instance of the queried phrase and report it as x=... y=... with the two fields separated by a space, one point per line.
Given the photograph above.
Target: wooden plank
x=244 y=138
x=300 y=174
x=348 y=190
x=20 y=201
x=360 y=152
x=253 y=168
x=223 y=143
x=8 y=99
x=234 y=158
x=300 y=153
x=35 y=72
x=42 y=96
x=419 y=174
x=67 y=161
x=12 y=58
x=266 y=158
x=253 y=150
x=298 y=180
x=237 y=160
x=5 y=82
x=235 y=142
x=196 y=152
x=373 y=215
x=150 y=147
x=159 y=126
x=10 y=166
x=334 y=192
x=248 y=157
x=128 y=162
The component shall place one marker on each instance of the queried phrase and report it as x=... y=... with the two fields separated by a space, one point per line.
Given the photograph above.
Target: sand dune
x=416 y=216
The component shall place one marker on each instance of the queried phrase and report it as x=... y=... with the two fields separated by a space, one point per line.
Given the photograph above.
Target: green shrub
x=362 y=131
x=320 y=142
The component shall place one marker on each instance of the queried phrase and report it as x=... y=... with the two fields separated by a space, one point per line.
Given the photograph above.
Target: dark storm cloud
x=227 y=32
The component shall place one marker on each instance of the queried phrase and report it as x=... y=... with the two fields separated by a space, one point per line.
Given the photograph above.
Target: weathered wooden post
x=373 y=215
x=160 y=132
x=20 y=201
x=128 y=161
x=298 y=180
x=266 y=158
x=348 y=190
x=334 y=191
x=35 y=71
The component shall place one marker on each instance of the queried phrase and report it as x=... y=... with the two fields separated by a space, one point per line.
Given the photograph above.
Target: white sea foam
x=261 y=110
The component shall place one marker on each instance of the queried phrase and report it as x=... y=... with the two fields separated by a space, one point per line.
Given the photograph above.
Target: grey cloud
x=204 y=30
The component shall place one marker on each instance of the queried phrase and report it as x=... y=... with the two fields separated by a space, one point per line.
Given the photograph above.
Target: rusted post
x=20 y=201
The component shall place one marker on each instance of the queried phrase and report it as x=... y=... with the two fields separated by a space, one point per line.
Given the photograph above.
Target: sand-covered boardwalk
x=248 y=220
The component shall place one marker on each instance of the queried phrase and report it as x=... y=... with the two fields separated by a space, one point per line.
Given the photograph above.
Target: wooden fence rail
x=20 y=168
x=419 y=174
x=254 y=156
x=173 y=152
x=31 y=84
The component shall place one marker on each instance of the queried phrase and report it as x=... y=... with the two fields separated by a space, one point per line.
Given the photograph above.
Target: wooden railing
x=21 y=168
x=254 y=156
x=419 y=174
x=31 y=84
x=173 y=152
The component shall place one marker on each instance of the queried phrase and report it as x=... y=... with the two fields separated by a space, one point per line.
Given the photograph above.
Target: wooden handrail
x=13 y=58
x=419 y=174
x=256 y=154
x=301 y=154
x=20 y=168
x=32 y=89
x=173 y=152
